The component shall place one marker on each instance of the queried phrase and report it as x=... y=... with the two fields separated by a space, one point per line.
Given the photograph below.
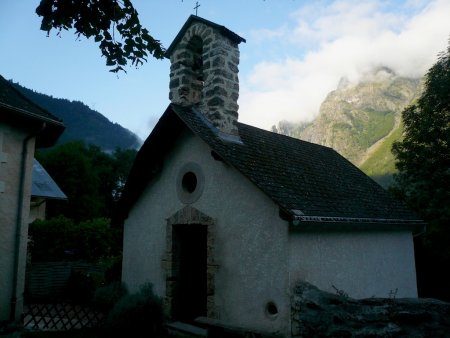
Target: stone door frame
x=185 y=217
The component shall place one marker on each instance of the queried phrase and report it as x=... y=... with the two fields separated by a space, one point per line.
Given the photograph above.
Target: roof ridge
x=291 y=138
x=48 y=115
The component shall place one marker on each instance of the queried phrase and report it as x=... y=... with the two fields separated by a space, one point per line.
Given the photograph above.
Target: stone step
x=180 y=329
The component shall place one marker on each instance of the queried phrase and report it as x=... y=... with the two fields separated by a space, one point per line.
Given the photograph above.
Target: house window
x=190 y=183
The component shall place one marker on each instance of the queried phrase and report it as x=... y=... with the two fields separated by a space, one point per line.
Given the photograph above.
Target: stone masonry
x=316 y=313
x=170 y=263
x=204 y=72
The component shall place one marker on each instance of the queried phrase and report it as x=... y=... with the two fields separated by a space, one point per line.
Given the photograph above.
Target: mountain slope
x=355 y=116
x=362 y=120
x=83 y=123
x=380 y=162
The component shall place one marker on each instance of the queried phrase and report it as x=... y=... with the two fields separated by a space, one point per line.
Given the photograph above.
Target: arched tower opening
x=204 y=71
x=195 y=46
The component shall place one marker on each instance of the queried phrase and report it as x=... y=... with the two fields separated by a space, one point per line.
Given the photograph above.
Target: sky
x=296 y=53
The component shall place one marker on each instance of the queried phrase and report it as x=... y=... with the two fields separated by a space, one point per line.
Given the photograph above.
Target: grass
x=382 y=162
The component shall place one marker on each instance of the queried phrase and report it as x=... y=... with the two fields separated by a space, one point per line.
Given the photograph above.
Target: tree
x=91 y=179
x=423 y=181
x=113 y=23
x=123 y=160
x=60 y=238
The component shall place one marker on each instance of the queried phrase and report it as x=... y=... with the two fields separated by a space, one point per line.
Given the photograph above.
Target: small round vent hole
x=271 y=309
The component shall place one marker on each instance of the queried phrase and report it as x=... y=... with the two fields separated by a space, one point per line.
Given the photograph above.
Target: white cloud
x=345 y=38
x=262 y=35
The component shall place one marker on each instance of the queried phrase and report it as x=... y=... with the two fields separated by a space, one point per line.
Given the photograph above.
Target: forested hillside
x=83 y=123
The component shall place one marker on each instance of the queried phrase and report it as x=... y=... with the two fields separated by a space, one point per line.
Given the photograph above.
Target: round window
x=190 y=183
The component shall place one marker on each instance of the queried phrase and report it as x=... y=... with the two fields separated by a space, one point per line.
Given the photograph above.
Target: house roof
x=43 y=184
x=225 y=31
x=18 y=109
x=309 y=182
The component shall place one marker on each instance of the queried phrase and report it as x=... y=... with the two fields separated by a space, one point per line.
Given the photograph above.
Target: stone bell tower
x=204 y=71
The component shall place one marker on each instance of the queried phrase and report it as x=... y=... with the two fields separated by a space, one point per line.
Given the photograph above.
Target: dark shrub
x=82 y=285
x=136 y=315
x=107 y=296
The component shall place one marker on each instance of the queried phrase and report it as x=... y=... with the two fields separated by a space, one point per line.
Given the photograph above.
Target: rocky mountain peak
x=355 y=118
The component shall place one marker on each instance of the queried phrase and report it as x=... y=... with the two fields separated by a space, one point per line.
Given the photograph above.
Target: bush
x=107 y=296
x=136 y=315
x=51 y=239
x=113 y=268
x=82 y=285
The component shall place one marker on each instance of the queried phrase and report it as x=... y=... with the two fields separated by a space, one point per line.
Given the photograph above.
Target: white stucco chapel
x=224 y=218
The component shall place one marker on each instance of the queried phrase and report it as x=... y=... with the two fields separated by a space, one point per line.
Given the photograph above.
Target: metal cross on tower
x=197 y=5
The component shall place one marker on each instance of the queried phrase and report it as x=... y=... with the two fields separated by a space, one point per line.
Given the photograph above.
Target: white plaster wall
x=37 y=209
x=251 y=240
x=362 y=264
x=10 y=176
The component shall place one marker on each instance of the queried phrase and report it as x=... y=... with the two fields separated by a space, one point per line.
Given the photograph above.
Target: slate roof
x=309 y=182
x=17 y=108
x=43 y=184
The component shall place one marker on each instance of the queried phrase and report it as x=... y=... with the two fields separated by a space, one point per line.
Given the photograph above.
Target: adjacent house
x=24 y=126
x=224 y=218
x=43 y=189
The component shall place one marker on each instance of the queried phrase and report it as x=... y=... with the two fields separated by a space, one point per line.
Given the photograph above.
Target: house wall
x=250 y=245
x=37 y=209
x=11 y=145
x=362 y=264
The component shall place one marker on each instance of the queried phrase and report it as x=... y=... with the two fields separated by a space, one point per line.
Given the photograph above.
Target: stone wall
x=316 y=313
x=204 y=72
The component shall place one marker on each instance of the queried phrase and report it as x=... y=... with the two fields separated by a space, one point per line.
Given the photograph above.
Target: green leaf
x=99 y=19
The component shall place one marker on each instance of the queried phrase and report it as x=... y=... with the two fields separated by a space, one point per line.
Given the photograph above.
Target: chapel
x=223 y=218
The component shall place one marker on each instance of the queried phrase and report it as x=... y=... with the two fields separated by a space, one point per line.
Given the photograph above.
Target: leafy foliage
x=61 y=238
x=102 y=20
x=107 y=296
x=423 y=156
x=423 y=161
x=136 y=315
x=92 y=180
x=81 y=286
x=49 y=239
